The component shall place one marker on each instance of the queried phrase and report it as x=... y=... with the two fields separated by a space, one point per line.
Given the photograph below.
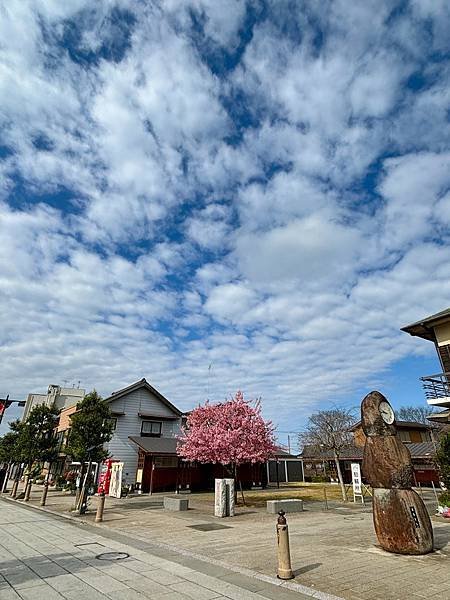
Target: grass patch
x=309 y=492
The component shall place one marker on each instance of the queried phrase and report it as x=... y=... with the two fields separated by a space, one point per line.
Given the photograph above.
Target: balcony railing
x=436 y=387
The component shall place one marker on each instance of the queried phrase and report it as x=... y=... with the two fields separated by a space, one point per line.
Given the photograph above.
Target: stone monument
x=400 y=518
x=224 y=498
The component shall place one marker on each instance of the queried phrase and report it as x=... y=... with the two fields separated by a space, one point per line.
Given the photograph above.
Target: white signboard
x=115 y=485
x=356 y=482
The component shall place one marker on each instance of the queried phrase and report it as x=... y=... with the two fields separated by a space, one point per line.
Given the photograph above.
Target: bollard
x=284 y=555
x=13 y=492
x=44 y=493
x=100 y=507
x=27 y=490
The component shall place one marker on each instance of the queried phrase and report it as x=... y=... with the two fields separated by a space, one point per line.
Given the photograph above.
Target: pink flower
x=231 y=432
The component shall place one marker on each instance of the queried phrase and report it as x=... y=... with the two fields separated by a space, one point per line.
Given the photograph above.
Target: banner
x=356 y=482
x=115 y=485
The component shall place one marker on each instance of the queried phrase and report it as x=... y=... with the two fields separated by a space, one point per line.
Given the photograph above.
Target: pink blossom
x=231 y=432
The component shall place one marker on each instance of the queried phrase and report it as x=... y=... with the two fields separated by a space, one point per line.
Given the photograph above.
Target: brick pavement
x=43 y=557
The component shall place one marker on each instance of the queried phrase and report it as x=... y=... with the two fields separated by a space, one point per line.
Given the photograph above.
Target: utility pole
x=6 y=403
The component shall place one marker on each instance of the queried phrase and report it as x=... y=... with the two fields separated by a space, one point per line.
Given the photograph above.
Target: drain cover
x=208 y=527
x=112 y=556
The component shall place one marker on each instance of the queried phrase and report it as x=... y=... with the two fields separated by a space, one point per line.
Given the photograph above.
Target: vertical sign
x=115 y=486
x=356 y=482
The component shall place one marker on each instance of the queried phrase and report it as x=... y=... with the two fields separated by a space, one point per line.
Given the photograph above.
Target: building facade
x=56 y=395
x=436 y=329
x=417 y=437
x=145 y=422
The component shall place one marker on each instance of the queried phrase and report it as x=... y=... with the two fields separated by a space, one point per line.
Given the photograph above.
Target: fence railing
x=436 y=386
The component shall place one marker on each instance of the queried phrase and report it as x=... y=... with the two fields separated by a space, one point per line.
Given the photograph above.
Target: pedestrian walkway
x=44 y=557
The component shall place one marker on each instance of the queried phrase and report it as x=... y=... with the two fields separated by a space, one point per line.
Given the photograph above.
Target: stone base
x=401 y=521
x=176 y=504
x=289 y=506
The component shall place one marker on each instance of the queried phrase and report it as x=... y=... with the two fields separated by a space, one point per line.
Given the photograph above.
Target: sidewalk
x=333 y=551
x=43 y=557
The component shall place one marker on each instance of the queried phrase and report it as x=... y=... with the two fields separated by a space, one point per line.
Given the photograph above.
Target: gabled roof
x=280 y=453
x=143 y=383
x=417 y=450
x=424 y=327
x=400 y=424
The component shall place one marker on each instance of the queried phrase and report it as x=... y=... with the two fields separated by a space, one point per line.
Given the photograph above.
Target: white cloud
x=310 y=250
x=278 y=221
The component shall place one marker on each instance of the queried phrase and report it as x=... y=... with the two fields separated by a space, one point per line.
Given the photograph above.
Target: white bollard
x=284 y=554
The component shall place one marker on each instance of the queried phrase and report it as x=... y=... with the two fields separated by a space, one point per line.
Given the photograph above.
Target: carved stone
x=401 y=521
x=387 y=463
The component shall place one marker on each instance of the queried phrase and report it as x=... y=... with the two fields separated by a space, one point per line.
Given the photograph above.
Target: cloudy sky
x=223 y=195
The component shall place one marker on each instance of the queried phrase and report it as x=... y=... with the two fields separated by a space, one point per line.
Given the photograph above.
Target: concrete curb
x=290 y=585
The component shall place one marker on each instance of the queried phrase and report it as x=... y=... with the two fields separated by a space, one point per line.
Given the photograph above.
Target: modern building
x=436 y=329
x=56 y=395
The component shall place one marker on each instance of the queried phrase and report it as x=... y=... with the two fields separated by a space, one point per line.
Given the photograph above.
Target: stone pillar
x=220 y=499
x=224 y=498
x=229 y=484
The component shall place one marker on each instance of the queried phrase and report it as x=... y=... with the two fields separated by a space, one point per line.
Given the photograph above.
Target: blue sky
x=223 y=195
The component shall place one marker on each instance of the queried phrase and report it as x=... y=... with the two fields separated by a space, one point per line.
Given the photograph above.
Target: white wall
x=129 y=424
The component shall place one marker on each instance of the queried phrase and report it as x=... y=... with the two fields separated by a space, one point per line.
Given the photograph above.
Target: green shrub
x=444 y=499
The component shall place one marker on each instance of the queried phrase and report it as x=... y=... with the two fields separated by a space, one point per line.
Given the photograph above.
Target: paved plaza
x=43 y=557
x=334 y=552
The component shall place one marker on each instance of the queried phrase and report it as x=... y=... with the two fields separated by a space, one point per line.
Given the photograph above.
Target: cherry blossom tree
x=230 y=433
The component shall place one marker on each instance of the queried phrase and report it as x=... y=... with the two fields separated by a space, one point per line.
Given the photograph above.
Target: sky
x=223 y=195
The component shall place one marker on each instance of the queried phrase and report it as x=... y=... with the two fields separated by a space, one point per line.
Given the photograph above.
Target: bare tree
x=330 y=430
x=416 y=414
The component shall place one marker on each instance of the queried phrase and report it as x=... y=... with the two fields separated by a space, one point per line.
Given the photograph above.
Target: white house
x=140 y=412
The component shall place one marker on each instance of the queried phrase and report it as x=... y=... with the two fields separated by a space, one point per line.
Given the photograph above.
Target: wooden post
x=151 y=475
x=44 y=492
x=325 y=497
x=100 y=507
x=27 y=489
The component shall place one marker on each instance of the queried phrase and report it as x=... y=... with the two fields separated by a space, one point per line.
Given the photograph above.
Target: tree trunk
x=341 y=480
x=82 y=501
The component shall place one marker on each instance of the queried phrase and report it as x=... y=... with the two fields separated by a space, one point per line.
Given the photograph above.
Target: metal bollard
x=100 y=507
x=44 y=493
x=284 y=555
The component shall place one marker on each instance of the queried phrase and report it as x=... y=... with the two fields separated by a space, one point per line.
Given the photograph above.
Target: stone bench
x=171 y=503
x=289 y=506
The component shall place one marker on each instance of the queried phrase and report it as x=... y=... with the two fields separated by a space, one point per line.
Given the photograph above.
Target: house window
x=114 y=423
x=165 y=462
x=404 y=436
x=151 y=429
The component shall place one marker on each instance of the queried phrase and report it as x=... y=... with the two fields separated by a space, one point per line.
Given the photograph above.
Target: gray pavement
x=47 y=557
